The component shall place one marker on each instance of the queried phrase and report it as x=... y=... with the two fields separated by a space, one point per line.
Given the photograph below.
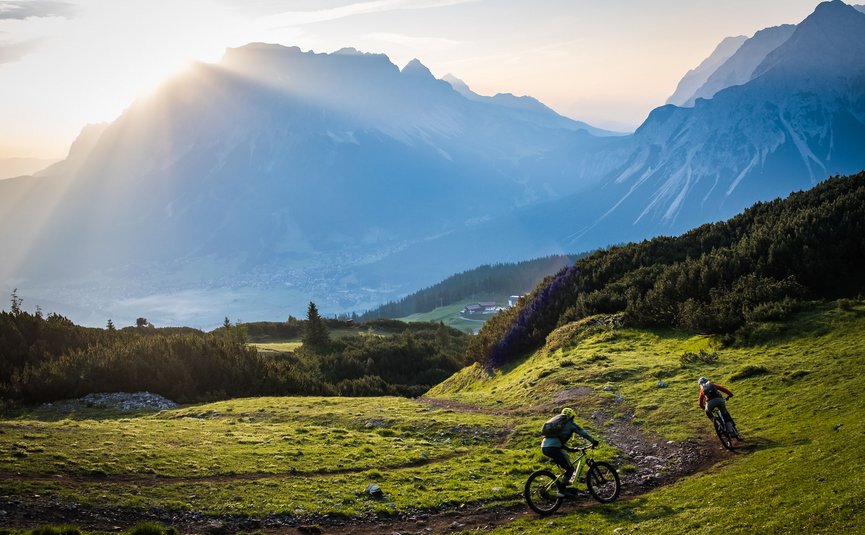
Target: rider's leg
x=721 y=405
x=731 y=424
x=561 y=458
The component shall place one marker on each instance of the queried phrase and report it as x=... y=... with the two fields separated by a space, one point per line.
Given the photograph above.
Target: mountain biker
x=711 y=398
x=554 y=448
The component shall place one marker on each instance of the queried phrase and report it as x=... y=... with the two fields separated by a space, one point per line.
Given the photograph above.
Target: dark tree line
x=498 y=279
x=50 y=358
x=716 y=278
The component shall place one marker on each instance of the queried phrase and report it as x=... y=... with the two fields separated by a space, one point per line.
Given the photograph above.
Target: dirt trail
x=656 y=462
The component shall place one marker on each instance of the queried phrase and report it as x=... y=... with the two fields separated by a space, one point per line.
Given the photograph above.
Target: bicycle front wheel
x=603 y=482
x=540 y=492
x=721 y=431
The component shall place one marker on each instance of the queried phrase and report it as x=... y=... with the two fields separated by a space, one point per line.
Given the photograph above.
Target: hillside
x=456 y=459
x=501 y=280
x=717 y=278
x=803 y=430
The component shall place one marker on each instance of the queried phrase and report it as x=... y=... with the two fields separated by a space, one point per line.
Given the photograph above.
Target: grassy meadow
x=472 y=443
x=451 y=315
x=795 y=401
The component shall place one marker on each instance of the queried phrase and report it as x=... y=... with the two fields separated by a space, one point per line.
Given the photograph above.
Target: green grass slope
x=451 y=315
x=473 y=442
x=796 y=401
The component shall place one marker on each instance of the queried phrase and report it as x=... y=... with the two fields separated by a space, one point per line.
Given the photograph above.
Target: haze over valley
x=276 y=176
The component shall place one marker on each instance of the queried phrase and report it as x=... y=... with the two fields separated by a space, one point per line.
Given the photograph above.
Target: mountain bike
x=602 y=482
x=724 y=434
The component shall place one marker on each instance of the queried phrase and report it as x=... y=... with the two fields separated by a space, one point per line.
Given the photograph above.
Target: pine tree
x=315 y=335
x=16 y=302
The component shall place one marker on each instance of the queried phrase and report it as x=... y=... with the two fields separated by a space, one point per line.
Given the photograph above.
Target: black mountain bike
x=724 y=434
x=602 y=482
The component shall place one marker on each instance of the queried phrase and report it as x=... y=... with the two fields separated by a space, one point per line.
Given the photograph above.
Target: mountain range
x=277 y=176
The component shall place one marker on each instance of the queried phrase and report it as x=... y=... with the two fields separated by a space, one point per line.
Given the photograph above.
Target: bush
x=56 y=530
x=748 y=371
x=846 y=304
x=752 y=334
x=772 y=310
x=701 y=357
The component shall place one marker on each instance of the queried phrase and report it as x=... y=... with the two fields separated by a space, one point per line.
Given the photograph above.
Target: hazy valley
x=249 y=187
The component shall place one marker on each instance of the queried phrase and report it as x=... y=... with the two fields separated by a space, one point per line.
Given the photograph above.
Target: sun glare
x=133 y=46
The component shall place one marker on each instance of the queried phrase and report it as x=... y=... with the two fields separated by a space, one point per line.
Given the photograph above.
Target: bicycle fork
x=596 y=475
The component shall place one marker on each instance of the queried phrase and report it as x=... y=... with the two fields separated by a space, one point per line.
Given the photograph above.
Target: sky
x=67 y=63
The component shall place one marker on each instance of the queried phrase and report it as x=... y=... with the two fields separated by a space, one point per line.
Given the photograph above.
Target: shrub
x=752 y=334
x=748 y=371
x=701 y=357
x=56 y=530
x=772 y=310
x=846 y=304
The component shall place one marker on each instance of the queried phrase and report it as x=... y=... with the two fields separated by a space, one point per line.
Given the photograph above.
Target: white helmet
x=702 y=380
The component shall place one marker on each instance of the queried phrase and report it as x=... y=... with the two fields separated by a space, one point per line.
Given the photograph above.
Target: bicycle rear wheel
x=540 y=492
x=603 y=482
x=721 y=431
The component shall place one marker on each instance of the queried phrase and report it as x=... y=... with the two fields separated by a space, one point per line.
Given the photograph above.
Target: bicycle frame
x=719 y=414
x=579 y=465
x=720 y=424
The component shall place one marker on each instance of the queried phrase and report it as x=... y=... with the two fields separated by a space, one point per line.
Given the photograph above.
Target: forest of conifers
x=47 y=358
x=479 y=283
x=730 y=278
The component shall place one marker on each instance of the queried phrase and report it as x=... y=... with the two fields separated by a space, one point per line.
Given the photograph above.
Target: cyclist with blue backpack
x=711 y=398
x=557 y=431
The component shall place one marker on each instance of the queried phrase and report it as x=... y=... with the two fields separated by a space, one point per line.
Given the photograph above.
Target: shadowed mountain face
x=275 y=165
x=342 y=179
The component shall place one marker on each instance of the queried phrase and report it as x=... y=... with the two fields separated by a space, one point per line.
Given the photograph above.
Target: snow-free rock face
x=783 y=130
x=697 y=76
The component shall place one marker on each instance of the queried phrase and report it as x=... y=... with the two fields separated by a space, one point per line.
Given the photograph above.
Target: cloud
x=298 y=18
x=10 y=53
x=27 y=9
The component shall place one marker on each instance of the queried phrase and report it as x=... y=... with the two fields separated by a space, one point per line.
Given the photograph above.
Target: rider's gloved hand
x=728 y=397
x=594 y=443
